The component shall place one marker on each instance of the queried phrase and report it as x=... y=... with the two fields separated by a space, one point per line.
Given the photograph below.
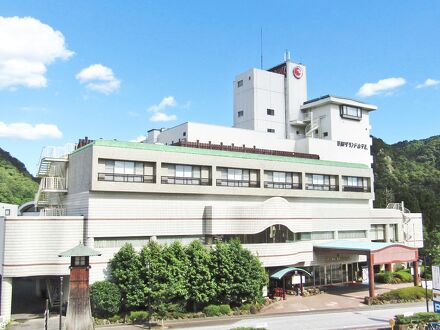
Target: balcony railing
x=356 y=189
x=126 y=177
x=53 y=183
x=325 y=187
x=186 y=181
x=282 y=185
x=238 y=183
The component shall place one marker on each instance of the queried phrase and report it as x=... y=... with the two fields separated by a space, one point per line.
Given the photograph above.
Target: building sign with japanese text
x=353 y=145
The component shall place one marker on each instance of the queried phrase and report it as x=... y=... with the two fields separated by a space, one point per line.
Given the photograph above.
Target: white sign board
x=436 y=277
x=365 y=275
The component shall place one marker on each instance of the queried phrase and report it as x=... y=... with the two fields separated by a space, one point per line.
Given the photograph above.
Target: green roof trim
x=220 y=153
x=80 y=251
x=283 y=272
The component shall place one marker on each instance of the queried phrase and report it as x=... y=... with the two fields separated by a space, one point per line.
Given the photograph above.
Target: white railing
x=53 y=183
x=57 y=151
x=53 y=212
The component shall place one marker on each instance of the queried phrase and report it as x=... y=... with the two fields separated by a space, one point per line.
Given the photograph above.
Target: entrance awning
x=381 y=253
x=283 y=272
x=377 y=254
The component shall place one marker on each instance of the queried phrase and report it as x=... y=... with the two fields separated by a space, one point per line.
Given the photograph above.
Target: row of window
x=128 y=171
x=282 y=234
x=273 y=234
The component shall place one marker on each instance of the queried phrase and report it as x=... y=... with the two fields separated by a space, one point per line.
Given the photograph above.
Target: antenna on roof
x=261 y=47
x=286 y=56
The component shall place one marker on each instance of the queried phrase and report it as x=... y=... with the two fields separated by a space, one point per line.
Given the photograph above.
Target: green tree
x=201 y=284
x=239 y=275
x=125 y=273
x=177 y=262
x=154 y=275
x=105 y=298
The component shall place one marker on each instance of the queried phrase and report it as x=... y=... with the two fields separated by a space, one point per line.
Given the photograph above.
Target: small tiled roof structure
x=80 y=251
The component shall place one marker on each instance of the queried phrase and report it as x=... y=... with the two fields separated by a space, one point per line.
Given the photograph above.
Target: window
x=184 y=134
x=7 y=212
x=346 y=234
x=377 y=233
x=237 y=177
x=393 y=232
x=354 y=183
x=186 y=174
x=123 y=171
x=349 y=112
x=321 y=182
x=282 y=180
x=240 y=114
x=270 y=130
x=325 y=134
x=184 y=171
x=240 y=83
x=270 y=112
x=322 y=235
x=79 y=261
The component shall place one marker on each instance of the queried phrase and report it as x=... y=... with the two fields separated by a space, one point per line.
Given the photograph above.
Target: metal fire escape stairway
x=52 y=171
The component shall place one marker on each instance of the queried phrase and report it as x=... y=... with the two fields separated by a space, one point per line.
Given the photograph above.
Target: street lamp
x=149 y=295
x=426 y=281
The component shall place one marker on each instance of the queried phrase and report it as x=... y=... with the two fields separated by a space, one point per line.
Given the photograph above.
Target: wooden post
x=284 y=288
x=416 y=273
x=370 y=263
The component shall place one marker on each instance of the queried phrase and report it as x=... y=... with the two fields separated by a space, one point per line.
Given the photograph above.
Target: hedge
x=410 y=294
x=393 y=277
x=418 y=318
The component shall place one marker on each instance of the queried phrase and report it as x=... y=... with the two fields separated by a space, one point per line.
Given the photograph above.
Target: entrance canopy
x=377 y=254
x=380 y=253
x=283 y=272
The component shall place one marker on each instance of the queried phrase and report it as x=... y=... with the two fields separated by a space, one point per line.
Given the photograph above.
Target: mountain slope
x=409 y=171
x=16 y=184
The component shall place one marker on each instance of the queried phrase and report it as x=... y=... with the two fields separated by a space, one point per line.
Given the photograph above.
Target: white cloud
x=428 y=83
x=384 y=85
x=99 y=78
x=140 y=138
x=158 y=110
x=161 y=117
x=26 y=131
x=27 y=47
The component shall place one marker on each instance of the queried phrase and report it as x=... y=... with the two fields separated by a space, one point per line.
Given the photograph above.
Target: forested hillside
x=409 y=171
x=16 y=184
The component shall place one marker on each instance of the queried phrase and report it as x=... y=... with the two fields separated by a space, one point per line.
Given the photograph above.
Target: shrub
x=404 y=275
x=138 y=316
x=224 y=309
x=413 y=293
x=212 y=310
x=105 y=298
x=418 y=318
x=245 y=307
x=383 y=277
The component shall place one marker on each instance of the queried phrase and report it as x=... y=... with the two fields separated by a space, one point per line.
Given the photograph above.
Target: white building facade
x=292 y=173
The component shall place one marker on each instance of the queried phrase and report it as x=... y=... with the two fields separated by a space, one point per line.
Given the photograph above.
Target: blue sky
x=113 y=66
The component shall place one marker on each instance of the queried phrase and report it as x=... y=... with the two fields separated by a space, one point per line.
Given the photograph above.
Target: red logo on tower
x=297 y=72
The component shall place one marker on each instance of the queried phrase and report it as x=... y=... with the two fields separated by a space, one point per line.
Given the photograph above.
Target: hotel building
x=292 y=180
